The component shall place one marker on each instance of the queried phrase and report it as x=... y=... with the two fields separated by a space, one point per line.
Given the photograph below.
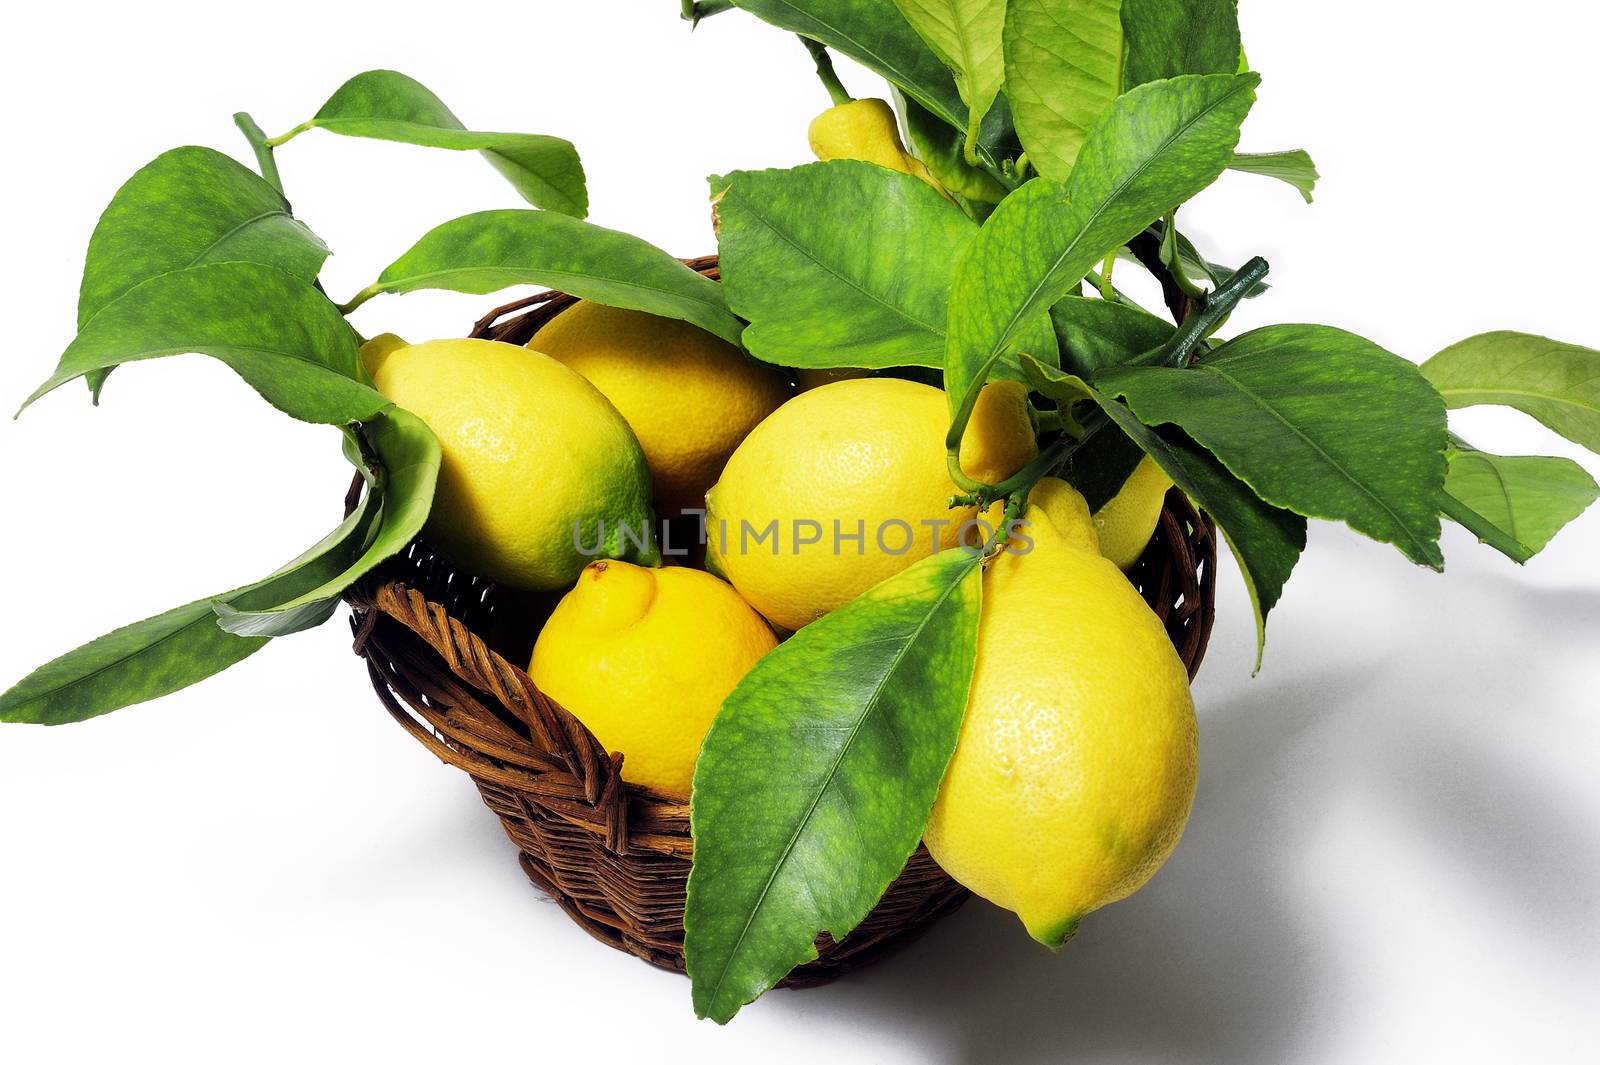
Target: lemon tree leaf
x=1102 y=464
x=163 y=654
x=1194 y=264
x=1517 y=503
x=1153 y=148
x=168 y=652
x=1292 y=167
x=143 y=661
x=388 y=105
x=1063 y=62
x=1167 y=38
x=940 y=148
x=273 y=329
x=1556 y=383
x=966 y=35
x=402 y=472
x=1266 y=541
x=1095 y=334
x=875 y=34
x=782 y=856
x=187 y=207
x=492 y=250
x=839 y=264
x=1315 y=420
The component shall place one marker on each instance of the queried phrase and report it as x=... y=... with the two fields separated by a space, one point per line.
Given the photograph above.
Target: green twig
x=981 y=495
x=825 y=72
x=1485 y=530
x=1211 y=311
x=262 y=147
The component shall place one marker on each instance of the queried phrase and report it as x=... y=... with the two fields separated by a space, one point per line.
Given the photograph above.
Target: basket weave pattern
x=442 y=647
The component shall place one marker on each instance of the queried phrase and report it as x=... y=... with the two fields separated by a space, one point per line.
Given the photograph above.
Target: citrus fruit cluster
x=831 y=551
x=1076 y=764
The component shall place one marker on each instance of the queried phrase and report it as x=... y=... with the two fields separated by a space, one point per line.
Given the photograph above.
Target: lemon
x=866 y=130
x=644 y=658
x=535 y=460
x=1000 y=437
x=1057 y=513
x=1127 y=521
x=1076 y=765
x=847 y=485
x=690 y=397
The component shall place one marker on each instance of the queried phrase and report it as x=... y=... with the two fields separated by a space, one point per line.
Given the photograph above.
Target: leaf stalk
x=285 y=138
x=358 y=299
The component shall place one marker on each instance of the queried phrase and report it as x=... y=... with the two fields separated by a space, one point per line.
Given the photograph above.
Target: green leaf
x=1167 y=38
x=1102 y=464
x=276 y=331
x=1063 y=69
x=966 y=35
x=1153 y=148
x=393 y=511
x=876 y=35
x=782 y=856
x=166 y=653
x=1095 y=334
x=143 y=661
x=940 y=148
x=187 y=207
x=387 y=105
x=1266 y=541
x=163 y=654
x=1315 y=420
x=1196 y=265
x=1292 y=167
x=1516 y=504
x=1556 y=383
x=839 y=264
x=492 y=250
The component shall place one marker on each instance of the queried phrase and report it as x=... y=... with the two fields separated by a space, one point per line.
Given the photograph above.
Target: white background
x=1395 y=851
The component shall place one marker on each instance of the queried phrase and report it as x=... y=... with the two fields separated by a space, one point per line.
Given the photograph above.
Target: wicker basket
x=443 y=649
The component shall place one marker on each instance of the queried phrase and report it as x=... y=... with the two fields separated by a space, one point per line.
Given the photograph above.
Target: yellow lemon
x=690 y=397
x=865 y=130
x=644 y=658
x=1128 y=520
x=1000 y=437
x=1076 y=767
x=535 y=460
x=1057 y=513
x=847 y=485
